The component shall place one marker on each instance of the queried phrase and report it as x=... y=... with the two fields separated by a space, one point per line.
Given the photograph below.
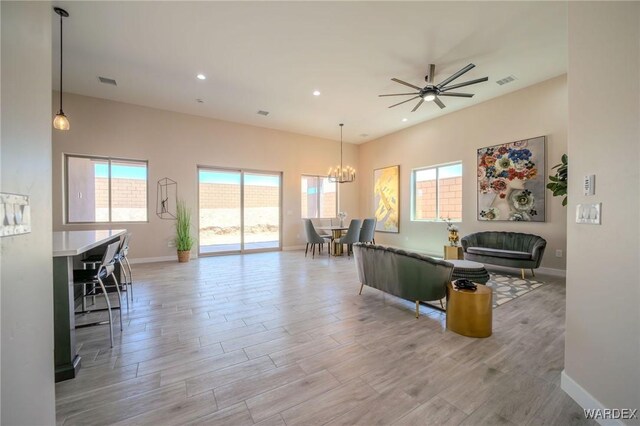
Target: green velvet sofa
x=404 y=274
x=511 y=249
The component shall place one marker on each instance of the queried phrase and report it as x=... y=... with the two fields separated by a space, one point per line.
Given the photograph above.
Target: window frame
x=413 y=188
x=319 y=216
x=109 y=160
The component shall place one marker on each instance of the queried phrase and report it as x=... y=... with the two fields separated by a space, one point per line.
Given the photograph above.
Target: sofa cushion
x=509 y=254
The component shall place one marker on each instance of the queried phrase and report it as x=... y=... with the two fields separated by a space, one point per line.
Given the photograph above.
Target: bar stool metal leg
x=130 y=277
x=106 y=298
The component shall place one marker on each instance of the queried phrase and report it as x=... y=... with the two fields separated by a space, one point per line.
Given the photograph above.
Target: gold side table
x=470 y=313
x=453 y=252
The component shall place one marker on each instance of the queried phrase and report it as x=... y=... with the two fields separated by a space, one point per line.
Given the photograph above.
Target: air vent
x=364 y=135
x=106 y=80
x=200 y=101
x=506 y=80
x=265 y=113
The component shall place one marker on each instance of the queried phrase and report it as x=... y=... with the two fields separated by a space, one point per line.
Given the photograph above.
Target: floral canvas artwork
x=511 y=181
x=386 y=192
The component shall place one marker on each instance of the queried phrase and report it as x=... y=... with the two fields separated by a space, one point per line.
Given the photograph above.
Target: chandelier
x=342 y=174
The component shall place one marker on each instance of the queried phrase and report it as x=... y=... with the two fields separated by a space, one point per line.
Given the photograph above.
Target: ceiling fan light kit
x=432 y=92
x=341 y=174
x=60 y=121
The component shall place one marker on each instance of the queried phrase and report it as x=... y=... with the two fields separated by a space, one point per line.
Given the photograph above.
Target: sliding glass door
x=239 y=211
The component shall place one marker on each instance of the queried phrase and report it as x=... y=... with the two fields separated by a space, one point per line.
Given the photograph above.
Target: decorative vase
x=453 y=238
x=184 y=256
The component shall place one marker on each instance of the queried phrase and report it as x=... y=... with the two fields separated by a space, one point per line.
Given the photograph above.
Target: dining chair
x=314 y=238
x=98 y=276
x=352 y=236
x=367 y=232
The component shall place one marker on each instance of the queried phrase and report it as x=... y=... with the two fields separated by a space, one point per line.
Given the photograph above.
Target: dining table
x=336 y=233
x=69 y=247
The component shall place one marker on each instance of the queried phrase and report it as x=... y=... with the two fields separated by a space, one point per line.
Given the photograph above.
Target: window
x=319 y=197
x=105 y=190
x=437 y=193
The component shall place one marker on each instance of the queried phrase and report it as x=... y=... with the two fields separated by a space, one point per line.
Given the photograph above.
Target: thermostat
x=589 y=185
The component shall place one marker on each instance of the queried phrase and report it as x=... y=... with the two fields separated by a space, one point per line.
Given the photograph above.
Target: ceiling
x=272 y=55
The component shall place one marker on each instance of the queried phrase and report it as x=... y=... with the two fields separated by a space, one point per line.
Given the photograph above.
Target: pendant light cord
x=60 y=63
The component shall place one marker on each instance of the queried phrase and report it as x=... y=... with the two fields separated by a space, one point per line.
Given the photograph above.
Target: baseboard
x=155 y=259
x=584 y=398
x=553 y=271
x=292 y=248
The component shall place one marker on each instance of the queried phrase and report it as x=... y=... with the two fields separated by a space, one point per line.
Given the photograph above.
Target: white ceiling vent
x=506 y=80
x=106 y=80
x=265 y=113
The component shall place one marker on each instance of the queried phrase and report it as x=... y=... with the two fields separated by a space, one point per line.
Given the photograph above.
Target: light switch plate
x=589 y=214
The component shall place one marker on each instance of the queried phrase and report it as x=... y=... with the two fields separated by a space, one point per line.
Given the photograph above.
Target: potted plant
x=453 y=232
x=558 y=184
x=184 y=240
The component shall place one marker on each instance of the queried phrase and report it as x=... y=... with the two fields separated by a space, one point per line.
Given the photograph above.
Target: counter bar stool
x=95 y=259
x=93 y=276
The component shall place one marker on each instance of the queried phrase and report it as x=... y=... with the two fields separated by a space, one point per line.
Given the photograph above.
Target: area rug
x=506 y=288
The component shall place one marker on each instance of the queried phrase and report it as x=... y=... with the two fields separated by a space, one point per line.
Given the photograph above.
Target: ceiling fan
x=431 y=91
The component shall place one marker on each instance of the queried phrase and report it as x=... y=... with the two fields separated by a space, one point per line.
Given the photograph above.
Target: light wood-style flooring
x=277 y=338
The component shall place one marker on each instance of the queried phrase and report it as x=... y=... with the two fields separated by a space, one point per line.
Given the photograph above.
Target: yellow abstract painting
x=386 y=192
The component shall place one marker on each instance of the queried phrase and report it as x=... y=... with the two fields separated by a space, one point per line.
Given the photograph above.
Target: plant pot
x=184 y=256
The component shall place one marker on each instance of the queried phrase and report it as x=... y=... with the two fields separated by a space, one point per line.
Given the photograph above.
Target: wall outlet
x=298 y=236
x=558 y=253
x=171 y=243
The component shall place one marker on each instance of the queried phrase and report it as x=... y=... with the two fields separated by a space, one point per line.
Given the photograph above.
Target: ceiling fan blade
x=406 y=84
x=417 y=105
x=439 y=103
x=456 y=75
x=399 y=94
x=459 y=95
x=432 y=73
x=400 y=103
x=466 y=83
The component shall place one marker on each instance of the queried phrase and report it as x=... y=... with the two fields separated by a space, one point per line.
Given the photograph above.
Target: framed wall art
x=511 y=181
x=386 y=198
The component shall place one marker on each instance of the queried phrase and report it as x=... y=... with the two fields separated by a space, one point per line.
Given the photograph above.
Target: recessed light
x=201 y=77
x=404 y=119
x=316 y=93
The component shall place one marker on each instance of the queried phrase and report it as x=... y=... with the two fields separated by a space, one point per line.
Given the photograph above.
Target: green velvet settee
x=404 y=274
x=511 y=249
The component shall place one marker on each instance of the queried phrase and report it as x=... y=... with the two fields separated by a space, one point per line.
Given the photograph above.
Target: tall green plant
x=184 y=240
x=558 y=184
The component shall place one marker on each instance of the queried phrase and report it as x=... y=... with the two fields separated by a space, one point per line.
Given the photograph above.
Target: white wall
x=602 y=354
x=175 y=144
x=538 y=110
x=26 y=279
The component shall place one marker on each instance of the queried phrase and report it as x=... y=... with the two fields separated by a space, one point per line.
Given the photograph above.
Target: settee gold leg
x=522 y=273
x=360 y=292
x=533 y=273
x=417 y=309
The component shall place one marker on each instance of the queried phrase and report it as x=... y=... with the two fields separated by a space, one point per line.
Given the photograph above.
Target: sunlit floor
x=276 y=338
x=222 y=248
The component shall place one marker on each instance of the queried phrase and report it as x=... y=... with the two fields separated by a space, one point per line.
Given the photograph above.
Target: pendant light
x=60 y=121
x=341 y=174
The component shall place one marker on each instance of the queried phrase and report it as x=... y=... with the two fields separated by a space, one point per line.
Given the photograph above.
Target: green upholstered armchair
x=404 y=274
x=511 y=249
